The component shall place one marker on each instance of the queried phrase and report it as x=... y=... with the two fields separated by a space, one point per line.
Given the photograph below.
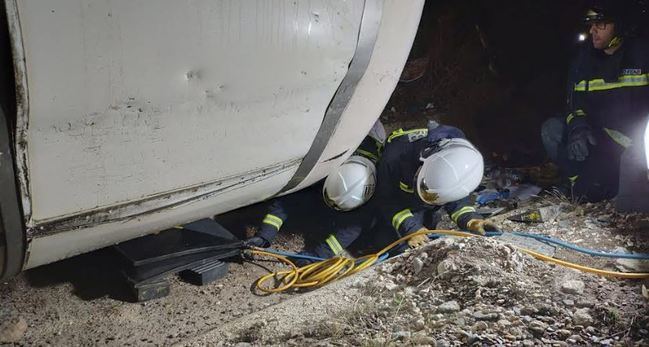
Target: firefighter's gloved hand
x=481 y=226
x=578 y=142
x=256 y=241
x=419 y=240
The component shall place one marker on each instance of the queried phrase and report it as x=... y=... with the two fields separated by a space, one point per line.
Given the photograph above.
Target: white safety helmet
x=450 y=171
x=351 y=185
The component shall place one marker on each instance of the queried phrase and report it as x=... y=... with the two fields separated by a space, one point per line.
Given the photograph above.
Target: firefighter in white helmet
x=351 y=185
x=348 y=187
x=424 y=170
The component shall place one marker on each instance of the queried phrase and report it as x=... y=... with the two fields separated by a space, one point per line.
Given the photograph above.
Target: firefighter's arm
x=390 y=199
x=466 y=217
x=335 y=244
x=576 y=119
x=272 y=222
x=576 y=113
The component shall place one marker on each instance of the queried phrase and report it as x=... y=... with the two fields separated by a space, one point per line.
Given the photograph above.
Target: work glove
x=481 y=226
x=419 y=240
x=256 y=241
x=578 y=142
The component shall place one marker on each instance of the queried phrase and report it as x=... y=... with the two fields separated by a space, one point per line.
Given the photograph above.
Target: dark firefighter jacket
x=397 y=201
x=347 y=226
x=611 y=93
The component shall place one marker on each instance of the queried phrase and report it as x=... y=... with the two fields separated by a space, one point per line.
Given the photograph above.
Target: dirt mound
x=481 y=291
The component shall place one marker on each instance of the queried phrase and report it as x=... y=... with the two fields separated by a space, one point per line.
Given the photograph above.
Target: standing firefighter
x=339 y=208
x=424 y=170
x=609 y=101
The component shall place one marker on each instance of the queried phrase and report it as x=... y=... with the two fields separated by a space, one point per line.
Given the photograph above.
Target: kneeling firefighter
x=338 y=206
x=608 y=102
x=424 y=170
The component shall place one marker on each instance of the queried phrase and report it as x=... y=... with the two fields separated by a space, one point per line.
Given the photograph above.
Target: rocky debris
x=569 y=302
x=12 y=329
x=417 y=265
x=504 y=298
x=575 y=287
x=582 y=317
x=448 y=307
x=480 y=291
x=632 y=265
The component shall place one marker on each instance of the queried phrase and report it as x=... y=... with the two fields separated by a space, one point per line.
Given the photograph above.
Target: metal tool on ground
x=540 y=215
x=487 y=212
x=531 y=216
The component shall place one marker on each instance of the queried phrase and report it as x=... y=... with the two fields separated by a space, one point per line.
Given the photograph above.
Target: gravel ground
x=481 y=292
x=451 y=292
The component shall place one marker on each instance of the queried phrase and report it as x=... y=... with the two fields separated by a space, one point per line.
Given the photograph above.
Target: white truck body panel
x=140 y=115
x=398 y=28
x=130 y=98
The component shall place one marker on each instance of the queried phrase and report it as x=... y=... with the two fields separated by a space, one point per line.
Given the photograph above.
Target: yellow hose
x=627 y=275
x=320 y=273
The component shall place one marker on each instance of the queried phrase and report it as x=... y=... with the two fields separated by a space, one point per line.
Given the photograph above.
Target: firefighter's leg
x=553 y=135
x=598 y=178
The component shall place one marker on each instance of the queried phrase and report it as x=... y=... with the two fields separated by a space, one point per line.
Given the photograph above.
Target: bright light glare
x=582 y=37
x=646 y=143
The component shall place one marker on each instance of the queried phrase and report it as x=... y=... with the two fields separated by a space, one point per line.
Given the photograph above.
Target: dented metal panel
x=128 y=101
x=161 y=202
x=55 y=246
x=397 y=30
x=136 y=116
x=366 y=39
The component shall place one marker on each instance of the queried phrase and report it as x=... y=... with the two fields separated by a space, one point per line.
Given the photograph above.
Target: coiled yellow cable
x=320 y=273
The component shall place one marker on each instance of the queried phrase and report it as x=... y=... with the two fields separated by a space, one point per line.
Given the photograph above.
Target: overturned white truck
x=122 y=118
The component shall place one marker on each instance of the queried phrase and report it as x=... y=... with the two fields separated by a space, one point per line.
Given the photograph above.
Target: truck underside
x=12 y=242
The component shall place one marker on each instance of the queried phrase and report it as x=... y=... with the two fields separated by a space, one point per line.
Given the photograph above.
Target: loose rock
x=575 y=287
x=582 y=317
x=12 y=329
x=449 y=307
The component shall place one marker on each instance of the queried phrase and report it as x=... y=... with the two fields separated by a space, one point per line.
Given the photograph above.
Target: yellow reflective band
x=401 y=132
x=616 y=41
x=273 y=220
x=369 y=155
x=577 y=113
x=623 y=82
x=399 y=217
x=406 y=188
x=457 y=214
x=619 y=138
x=570 y=118
x=335 y=246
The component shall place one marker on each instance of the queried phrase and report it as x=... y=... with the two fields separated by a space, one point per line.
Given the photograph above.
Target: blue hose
x=564 y=244
x=308 y=257
x=293 y=255
x=543 y=238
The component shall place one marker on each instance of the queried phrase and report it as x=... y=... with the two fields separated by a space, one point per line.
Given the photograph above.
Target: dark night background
x=495 y=68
